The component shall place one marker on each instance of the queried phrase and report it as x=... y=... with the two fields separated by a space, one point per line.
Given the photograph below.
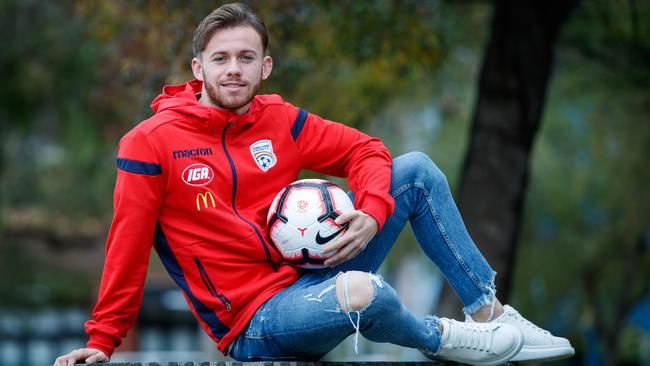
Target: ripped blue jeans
x=306 y=320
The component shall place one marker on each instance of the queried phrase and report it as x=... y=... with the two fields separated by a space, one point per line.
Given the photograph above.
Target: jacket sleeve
x=338 y=150
x=136 y=202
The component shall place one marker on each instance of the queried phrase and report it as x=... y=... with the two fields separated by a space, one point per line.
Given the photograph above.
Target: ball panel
x=301 y=220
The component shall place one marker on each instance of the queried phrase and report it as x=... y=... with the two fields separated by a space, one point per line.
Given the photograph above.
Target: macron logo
x=188 y=153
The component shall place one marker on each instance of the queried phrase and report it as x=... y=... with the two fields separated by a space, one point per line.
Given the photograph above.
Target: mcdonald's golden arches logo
x=205 y=199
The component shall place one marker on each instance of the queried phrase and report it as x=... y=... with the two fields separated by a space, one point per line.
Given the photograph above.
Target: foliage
x=78 y=74
x=585 y=250
x=73 y=87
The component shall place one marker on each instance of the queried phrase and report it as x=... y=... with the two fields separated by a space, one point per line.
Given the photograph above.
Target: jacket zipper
x=234 y=192
x=210 y=285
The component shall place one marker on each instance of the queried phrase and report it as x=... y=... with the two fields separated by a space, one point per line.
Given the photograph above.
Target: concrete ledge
x=277 y=363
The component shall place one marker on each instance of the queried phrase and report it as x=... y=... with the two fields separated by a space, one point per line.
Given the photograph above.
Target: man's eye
x=247 y=58
x=219 y=59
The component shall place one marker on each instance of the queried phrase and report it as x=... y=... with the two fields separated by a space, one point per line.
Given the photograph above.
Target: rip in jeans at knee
x=376 y=282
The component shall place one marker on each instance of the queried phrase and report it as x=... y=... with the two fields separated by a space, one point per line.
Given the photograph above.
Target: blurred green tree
x=512 y=93
x=585 y=242
x=77 y=75
x=80 y=74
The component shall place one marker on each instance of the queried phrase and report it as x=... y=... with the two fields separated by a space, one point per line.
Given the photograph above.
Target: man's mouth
x=233 y=85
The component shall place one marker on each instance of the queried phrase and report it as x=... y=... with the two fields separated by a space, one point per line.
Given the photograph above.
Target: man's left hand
x=363 y=227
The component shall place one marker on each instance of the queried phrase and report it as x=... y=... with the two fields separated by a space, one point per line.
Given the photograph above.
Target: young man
x=188 y=182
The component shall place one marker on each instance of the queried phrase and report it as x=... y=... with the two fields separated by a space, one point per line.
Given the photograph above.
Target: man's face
x=232 y=67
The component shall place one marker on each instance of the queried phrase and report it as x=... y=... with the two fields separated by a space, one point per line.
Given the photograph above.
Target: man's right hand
x=87 y=355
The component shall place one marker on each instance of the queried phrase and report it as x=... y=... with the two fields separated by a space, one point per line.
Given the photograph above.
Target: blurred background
x=537 y=111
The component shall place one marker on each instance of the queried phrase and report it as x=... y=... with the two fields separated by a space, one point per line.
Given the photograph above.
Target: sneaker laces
x=469 y=336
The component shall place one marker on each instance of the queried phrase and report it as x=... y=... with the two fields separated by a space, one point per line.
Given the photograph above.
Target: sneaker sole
x=537 y=354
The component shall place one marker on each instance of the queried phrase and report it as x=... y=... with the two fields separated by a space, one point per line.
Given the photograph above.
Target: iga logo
x=197 y=175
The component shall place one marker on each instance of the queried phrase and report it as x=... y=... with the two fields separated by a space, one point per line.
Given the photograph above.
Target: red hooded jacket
x=197 y=182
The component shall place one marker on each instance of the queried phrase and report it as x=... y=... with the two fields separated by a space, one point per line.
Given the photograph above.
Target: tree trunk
x=512 y=90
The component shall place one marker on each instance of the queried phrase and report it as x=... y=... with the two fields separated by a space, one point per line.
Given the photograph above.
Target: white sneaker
x=539 y=344
x=478 y=343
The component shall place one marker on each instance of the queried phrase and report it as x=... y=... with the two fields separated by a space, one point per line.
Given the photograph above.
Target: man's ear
x=267 y=67
x=197 y=69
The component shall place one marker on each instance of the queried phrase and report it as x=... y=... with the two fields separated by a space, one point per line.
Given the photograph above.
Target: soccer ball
x=301 y=220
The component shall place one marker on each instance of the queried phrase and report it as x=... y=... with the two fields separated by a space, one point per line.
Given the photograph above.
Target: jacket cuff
x=377 y=206
x=102 y=342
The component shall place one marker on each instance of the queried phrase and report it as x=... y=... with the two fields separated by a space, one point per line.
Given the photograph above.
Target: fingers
x=89 y=355
x=67 y=360
x=349 y=216
x=344 y=254
x=340 y=256
x=92 y=359
x=347 y=236
x=98 y=357
x=338 y=243
x=362 y=228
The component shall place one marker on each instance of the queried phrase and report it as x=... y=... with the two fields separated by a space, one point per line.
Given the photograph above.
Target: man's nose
x=233 y=67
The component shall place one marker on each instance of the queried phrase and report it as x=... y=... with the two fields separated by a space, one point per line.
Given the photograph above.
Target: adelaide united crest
x=262 y=151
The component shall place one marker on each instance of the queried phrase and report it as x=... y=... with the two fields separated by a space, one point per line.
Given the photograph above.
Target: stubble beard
x=222 y=103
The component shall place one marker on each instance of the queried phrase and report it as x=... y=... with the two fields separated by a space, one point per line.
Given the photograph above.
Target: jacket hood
x=182 y=98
